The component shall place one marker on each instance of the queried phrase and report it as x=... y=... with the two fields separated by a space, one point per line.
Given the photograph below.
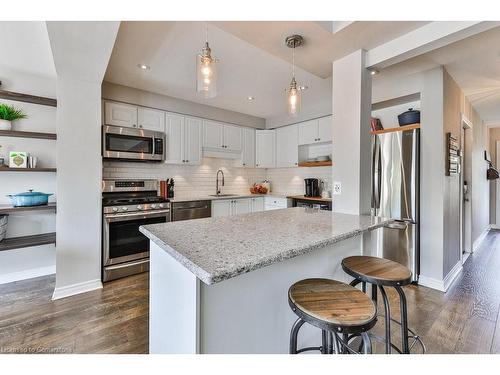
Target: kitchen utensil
x=411 y=116
x=29 y=198
x=3 y=226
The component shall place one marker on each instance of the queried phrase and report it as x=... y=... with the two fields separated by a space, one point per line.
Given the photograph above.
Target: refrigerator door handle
x=376 y=179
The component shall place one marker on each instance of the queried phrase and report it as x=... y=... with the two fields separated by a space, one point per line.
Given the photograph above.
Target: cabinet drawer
x=275 y=202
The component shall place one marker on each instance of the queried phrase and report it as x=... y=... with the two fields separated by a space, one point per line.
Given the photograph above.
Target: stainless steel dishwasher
x=191 y=210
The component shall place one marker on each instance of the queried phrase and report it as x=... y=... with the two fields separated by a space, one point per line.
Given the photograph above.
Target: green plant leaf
x=10 y=113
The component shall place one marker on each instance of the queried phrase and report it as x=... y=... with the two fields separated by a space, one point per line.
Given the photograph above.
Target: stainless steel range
x=128 y=204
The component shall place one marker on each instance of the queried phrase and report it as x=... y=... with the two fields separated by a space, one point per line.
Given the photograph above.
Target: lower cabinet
x=257 y=204
x=230 y=207
x=274 y=203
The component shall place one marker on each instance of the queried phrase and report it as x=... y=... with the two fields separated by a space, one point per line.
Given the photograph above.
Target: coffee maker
x=312 y=187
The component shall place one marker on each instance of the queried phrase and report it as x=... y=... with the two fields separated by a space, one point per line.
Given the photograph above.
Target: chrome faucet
x=217 y=190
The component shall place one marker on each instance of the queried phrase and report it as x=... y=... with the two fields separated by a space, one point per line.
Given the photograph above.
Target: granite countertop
x=203 y=197
x=217 y=249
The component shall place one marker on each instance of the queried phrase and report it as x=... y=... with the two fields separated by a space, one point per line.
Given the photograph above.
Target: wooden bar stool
x=336 y=308
x=382 y=273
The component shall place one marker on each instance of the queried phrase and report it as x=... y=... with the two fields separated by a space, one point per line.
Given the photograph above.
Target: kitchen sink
x=223 y=195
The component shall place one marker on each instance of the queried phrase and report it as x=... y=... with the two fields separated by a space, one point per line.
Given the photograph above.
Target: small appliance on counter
x=311 y=187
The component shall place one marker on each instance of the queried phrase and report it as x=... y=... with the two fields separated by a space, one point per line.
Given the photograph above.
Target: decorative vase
x=5 y=125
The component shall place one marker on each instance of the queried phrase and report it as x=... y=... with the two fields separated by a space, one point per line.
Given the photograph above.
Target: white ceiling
x=29 y=46
x=253 y=59
x=474 y=63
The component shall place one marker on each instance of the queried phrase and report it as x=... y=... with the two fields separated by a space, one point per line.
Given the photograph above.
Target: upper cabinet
x=151 y=119
x=287 y=146
x=221 y=137
x=120 y=114
x=315 y=131
x=247 y=159
x=264 y=148
x=183 y=139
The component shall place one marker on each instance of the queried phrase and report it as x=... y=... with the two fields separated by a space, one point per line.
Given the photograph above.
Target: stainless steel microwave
x=131 y=144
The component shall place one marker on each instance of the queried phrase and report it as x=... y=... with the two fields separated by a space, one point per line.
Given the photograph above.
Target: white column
x=81 y=53
x=352 y=93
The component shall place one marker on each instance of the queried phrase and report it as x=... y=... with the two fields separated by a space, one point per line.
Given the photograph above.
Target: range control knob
x=115 y=209
x=124 y=208
x=153 y=206
x=139 y=207
x=161 y=205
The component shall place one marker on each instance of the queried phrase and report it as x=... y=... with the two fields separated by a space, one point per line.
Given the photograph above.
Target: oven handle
x=126 y=216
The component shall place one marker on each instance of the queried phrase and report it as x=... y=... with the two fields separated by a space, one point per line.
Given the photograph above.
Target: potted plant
x=8 y=114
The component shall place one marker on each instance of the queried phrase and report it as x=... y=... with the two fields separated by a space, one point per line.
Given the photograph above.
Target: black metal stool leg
x=336 y=345
x=363 y=287
x=324 y=342
x=367 y=344
x=330 y=342
x=387 y=311
x=404 y=319
x=293 y=335
x=374 y=294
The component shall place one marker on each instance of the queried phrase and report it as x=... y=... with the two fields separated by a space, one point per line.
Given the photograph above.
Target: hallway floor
x=115 y=319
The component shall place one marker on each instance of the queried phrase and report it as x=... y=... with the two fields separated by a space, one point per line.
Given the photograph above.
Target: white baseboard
x=27 y=274
x=480 y=238
x=71 y=290
x=442 y=285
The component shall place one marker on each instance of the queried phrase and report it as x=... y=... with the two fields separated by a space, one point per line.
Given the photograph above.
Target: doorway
x=466 y=183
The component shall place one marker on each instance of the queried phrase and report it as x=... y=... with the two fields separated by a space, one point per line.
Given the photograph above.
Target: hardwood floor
x=115 y=319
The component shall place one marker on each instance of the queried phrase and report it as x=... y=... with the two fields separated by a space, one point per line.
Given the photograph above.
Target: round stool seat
x=377 y=271
x=332 y=305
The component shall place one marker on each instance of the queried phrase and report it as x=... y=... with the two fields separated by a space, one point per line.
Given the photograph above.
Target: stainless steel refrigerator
x=396 y=195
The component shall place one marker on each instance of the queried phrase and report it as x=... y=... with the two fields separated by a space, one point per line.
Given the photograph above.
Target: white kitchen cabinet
x=241 y=206
x=120 y=114
x=222 y=207
x=264 y=148
x=257 y=204
x=287 y=146
x=183 y=139
x=151 y=119
x=232 y=138
x=325 y=126
x=212 y=135
x=276 y=203
x=315 y=131
x=247 y=159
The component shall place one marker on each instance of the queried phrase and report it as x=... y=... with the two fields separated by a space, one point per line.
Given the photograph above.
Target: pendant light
x=293 y=92
x=206 y=72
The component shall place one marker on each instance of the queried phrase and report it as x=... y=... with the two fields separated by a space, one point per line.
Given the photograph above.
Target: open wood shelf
x=21 y=134
x=399 y=129
x=7 y=169
x=315 y=163
x=9 y=95
x=27 y=241
x=6 y=209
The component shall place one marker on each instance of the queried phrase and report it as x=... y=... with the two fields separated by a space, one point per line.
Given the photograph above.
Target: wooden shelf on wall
x=9 y=95
x=27 y=241
x=22 y=134
x=315 y=163
x=7 y=169
x=8 y=209
x=399 y=129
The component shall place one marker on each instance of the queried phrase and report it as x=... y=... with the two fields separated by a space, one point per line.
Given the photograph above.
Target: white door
x=212 y=135
x=287 y=146
x=119 y=114
x=248 y=149
x=174 y=132
x=221 y=208
x=257 y=204
x=308 y=132
x=242 y=206
x=151 y=119
x=325 y=125
x=264 y=148
x=232 y=138
x=192 y=140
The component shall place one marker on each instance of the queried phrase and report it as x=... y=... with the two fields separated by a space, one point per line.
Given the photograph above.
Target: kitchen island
x=219 y=285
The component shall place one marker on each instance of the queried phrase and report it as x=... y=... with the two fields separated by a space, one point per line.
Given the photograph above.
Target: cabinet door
x=257 y=204
x=119 y=114
x=287 y=146
x=264 y=148
x=241 y=206
x=325 y=126
x=151 y=119
x=213 y=135
x=174 y=132
x=232 y=138
x=248 y=148
x=221 y=208
x=308 y=132
x=192 y=140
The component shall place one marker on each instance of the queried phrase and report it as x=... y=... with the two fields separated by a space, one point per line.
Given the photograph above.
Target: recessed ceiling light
x=250 y=98
x=143 y=66
x=374 y=72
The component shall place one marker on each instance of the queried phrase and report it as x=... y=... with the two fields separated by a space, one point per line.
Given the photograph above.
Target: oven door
x=132 y=144
x=122 y=240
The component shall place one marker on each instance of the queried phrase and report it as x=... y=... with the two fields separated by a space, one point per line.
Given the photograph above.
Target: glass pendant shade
x=206 y=73
x=293 y=99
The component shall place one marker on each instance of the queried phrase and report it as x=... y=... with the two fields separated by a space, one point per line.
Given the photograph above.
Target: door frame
x=465 y=124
